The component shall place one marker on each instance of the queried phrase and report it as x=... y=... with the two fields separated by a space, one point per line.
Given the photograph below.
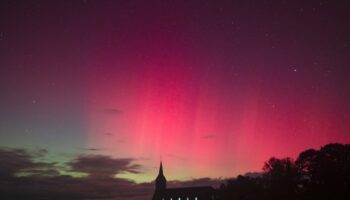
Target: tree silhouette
x=242 y=187
x=281 y=177
x=316 y=174
x=326 y=172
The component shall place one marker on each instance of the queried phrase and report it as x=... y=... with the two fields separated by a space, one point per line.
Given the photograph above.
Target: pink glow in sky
x=200 y=115
x=213 y=89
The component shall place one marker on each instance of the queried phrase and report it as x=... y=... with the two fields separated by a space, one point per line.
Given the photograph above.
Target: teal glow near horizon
x=213 y=89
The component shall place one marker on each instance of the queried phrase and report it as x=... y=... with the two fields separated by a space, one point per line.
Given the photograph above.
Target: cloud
x=103 y=166
x=43 y=180
x=108 y=133
x=210 y=136
x=112 y=111
x=92 y=149
x=18 y=161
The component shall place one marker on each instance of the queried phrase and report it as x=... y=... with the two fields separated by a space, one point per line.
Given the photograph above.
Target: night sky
x=212 y=88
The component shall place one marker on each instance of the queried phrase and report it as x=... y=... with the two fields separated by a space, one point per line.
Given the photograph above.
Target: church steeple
x=160 y=180
x=161 y=169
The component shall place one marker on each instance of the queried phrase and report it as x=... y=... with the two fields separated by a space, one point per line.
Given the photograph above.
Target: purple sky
x=202 y=85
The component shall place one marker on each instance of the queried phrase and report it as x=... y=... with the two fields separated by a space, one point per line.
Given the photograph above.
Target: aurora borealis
x=212 y=88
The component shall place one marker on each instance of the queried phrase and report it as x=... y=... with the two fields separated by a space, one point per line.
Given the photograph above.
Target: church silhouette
x=186 y=193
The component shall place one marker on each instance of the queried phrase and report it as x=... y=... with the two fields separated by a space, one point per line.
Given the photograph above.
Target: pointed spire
x=161 y=168
x=160 y=180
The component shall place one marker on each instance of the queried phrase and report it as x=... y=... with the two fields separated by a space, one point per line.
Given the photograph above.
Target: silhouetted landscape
x=316 y=174
x=174 y=99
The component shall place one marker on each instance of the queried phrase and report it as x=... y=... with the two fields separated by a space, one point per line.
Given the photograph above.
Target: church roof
x=201 y=188
x=189 y=190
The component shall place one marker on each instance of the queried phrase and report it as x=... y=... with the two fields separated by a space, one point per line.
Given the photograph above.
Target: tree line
x=315 y=175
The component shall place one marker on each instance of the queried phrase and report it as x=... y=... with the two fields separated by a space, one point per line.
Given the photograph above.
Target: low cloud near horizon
x=20 y=171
